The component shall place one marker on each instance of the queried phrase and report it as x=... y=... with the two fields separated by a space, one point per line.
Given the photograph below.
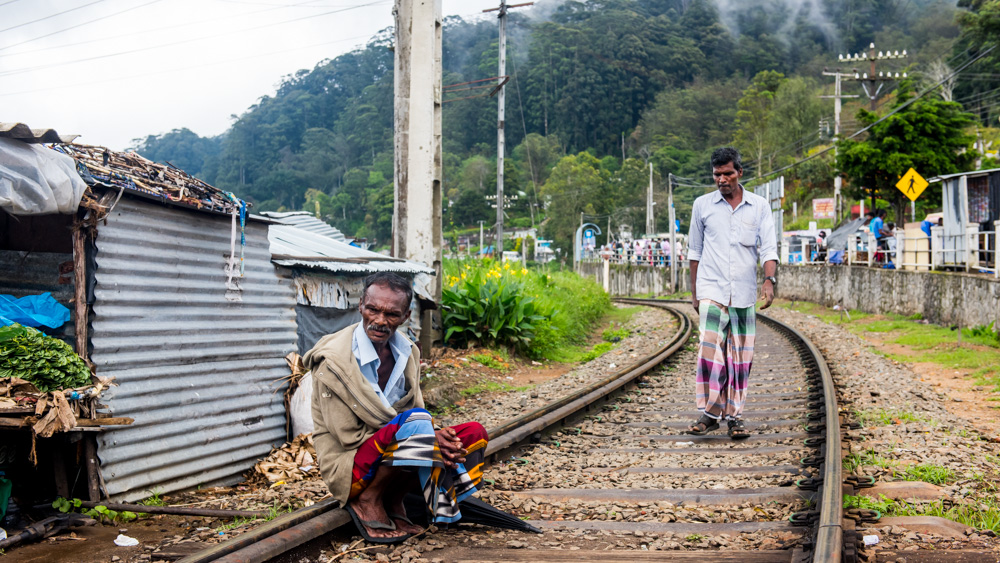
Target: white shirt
x=724 y=241
x=369 y=362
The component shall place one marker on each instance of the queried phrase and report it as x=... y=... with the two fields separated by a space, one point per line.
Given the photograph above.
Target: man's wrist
x=772 y=279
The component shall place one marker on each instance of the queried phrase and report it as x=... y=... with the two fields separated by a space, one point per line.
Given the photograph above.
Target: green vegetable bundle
x=48 y=363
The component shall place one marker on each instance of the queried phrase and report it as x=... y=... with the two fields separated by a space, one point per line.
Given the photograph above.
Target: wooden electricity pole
x=416 y=217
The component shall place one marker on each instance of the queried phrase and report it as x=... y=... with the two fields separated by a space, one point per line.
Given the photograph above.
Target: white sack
x=35 y=180
x=301 y=406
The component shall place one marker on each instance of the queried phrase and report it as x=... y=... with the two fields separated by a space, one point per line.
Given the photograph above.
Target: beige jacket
x=346 y=411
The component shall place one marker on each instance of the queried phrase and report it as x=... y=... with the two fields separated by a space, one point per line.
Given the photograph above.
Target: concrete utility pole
x=501 y=110
x=837 y=97
x=481 y=237
x=416 y=217
x=650 y=221
x=673 y=234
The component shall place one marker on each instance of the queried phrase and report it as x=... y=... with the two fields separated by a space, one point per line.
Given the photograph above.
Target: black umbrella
x=474 y=511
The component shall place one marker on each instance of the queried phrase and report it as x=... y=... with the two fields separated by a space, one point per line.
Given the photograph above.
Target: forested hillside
x=598 y=89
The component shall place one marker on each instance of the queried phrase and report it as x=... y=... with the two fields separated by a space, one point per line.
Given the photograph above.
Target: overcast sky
x=115 y=70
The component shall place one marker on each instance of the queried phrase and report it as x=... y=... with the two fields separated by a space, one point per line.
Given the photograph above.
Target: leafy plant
x=48 y=363
x=597 y=351
x=491 y=361
x=100 y=513
x=615 y=334
x=489 y=306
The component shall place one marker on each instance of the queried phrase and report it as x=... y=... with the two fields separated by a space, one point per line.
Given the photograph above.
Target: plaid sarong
x=408 y=441
x=725 y=354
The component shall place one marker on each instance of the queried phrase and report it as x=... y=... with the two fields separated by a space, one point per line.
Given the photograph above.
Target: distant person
x=821 y=246
x=890 y=239
x=877 y=228
x=374 y=440
x=726 y=227
x=926 y=225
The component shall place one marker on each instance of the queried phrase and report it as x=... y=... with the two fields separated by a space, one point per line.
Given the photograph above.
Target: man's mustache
x=377 y=327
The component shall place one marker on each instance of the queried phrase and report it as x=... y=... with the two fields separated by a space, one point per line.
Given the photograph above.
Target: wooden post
x=80 y=309
x=93 y=468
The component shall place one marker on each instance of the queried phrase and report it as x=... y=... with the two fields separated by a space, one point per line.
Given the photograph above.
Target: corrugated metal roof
x=293 y=247
x=197 y=371
x=971 y=174
x=307 y=222
x=26 y=134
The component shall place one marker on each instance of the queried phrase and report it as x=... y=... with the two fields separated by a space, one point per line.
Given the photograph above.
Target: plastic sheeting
x=33 y=310
x=35 y=180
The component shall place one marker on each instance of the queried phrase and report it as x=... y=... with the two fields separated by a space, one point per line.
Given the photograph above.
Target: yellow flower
x=524 y=271
x=463 y=276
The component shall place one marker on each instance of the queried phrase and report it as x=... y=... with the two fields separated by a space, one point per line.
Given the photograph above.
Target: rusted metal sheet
x=199 y=370
x=317 y=290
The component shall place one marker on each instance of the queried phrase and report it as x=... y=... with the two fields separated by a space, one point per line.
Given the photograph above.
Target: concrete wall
x=628 y=279
x=944 y=298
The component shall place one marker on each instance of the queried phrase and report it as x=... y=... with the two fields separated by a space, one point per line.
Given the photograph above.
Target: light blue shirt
x=369 y=362
x=727 y=244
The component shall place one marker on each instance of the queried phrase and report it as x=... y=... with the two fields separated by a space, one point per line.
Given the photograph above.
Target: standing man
x=727 y=226
x=374 y=440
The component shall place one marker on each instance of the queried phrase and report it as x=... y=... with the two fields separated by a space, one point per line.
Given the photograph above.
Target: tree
x=928 y=135
x=755 y=136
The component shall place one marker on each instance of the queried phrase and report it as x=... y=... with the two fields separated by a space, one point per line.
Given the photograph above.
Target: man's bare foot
x=371 y=510
x=396 y=509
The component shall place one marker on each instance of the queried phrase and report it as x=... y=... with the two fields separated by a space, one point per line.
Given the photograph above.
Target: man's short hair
x=880 y=213
x=393 y=281
x=724 y=155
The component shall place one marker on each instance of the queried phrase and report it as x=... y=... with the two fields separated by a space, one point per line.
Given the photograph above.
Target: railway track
x=608 y=473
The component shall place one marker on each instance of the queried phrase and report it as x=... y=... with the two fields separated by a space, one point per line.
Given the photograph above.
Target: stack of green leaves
x=48 y=363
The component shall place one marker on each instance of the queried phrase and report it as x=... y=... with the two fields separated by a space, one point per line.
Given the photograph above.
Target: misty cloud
x=789 y=10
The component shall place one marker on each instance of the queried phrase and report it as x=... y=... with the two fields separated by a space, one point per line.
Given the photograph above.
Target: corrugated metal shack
x=186 y=312
x=327 y=276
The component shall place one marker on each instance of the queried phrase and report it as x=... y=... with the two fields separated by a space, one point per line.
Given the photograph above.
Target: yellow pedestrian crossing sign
x=912 y=184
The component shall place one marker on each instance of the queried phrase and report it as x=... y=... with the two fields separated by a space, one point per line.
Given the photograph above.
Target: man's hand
x=451 y=447
x=767 y=294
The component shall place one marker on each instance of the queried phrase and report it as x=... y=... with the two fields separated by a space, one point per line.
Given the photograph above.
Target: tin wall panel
x=199 y=371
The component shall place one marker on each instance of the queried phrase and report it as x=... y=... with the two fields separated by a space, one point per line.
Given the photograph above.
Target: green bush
x=48 y=363
x=489 y=306
x=615 y=334
x=564 y=306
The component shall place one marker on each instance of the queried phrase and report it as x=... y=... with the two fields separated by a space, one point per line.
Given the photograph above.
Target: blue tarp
x=33 y=310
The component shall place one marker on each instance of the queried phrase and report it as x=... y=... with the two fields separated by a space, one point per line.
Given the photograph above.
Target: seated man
x=374 y=440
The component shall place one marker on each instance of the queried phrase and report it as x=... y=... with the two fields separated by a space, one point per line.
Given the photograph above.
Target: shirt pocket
x=748 y=233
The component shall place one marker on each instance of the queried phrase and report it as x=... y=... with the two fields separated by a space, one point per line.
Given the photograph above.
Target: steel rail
x=829 y=532
x=829 y=544
x=293 y=529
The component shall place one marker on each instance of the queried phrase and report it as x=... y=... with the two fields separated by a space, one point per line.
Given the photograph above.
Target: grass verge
x=982 y=514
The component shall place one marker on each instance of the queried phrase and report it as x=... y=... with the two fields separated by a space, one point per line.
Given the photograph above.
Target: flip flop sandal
x=706 y=423
x=738 y=430
x=402 y=517
x=374 y=525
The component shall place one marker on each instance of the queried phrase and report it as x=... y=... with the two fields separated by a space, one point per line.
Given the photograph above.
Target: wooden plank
x=110 y=421
x=489 y=555
x=80 y=309
x=937 y=556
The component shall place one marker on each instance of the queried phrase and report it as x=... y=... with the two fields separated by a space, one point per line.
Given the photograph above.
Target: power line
x=213 y=36
x=81 y=24
x=138 y=32
x=50 y=16
x=888 y=115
